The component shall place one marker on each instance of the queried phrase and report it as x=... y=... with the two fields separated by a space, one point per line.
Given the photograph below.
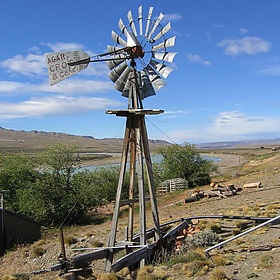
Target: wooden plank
x=132 y=200
x=125 y=113
x=150 y=233
x=145 y=252
x=134 y=257
x=88 y=257
x=181 y=226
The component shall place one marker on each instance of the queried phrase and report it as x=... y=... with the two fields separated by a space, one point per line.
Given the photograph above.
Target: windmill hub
x=136 y=52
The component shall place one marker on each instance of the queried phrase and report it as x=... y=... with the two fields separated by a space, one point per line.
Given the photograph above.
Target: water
x=156 y=158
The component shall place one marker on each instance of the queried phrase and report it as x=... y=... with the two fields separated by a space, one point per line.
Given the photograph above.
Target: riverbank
x=224 y=161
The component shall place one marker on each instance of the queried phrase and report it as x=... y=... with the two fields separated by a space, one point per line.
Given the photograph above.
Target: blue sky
x=225 y=85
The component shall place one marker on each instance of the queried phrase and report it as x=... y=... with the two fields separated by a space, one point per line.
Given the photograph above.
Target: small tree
x=53 y=195
x=184 y=161
x=17 y=172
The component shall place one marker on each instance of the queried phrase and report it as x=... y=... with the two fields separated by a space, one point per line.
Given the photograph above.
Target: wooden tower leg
x=112 y=237
x=140 y=177
x=132 y=176
x=150 y=178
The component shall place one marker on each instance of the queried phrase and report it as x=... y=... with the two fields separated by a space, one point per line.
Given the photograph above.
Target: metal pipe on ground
x=240 y=235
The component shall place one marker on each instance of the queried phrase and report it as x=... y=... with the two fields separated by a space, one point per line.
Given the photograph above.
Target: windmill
x=138 y=67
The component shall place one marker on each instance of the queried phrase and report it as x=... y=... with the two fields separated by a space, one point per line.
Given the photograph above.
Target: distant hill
x=246 y=143
x=20 y=140
x=29 y=141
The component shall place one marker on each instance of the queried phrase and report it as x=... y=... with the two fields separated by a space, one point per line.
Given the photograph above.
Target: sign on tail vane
x=58 y=64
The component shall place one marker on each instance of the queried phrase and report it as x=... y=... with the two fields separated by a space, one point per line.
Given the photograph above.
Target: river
x=156 y=158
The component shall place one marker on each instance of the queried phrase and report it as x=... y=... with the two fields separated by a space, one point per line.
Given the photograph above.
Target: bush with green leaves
x=183 y=161
x=50 y=188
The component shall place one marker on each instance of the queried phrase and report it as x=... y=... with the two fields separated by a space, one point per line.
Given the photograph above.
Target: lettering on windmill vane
x=59 y=68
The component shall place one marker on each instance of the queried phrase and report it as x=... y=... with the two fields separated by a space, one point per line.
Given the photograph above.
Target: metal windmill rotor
x=141 y=50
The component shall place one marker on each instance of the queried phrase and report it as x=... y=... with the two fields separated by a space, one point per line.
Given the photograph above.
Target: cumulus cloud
x=197 y=59
x=59 y=105
x=60 y=46
x=231 y=126
x=77 y=86
x=246 y=45
x=70 y=86
x=30 y=65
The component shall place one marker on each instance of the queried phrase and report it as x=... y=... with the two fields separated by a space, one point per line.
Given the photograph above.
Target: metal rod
x=83 y=61
x=241 y=234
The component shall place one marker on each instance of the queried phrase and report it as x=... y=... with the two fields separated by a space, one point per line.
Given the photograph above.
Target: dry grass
x=219 y=260
x=107 y=276
x=217 y=274
x=38 y=248
x=265 y=261
x=151 y=273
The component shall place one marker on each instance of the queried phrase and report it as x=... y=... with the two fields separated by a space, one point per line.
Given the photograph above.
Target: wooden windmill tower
x=138 y=68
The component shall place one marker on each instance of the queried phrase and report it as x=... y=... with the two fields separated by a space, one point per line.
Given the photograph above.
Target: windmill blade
x=120 y=82
x=160 y=17
x=166 y=43
x=122 y=27
x=163 y=31
x=149 y=20
x=116 y=72
x=115 y=62
x=128 y=85
x=140 y=19
x=165 y=56
x=58 y=64
x=118 y=39
x=118 y=58
x=146 y=87
x=161 y=68
x=112 y=49
x=132 y=40
x=155 y=79
x=131 y=22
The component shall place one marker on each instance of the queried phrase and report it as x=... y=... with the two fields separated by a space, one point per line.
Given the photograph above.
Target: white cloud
x=77 y=86
x=60 y=105
x=30 y=65
x=34 y=65
x=243 y=31
x=229 y=126
x=60 y=46
x=246 y=45
x=172 y=17
x=197 y=59
x=271 y=71
x=70 y=86
x=174 y=114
